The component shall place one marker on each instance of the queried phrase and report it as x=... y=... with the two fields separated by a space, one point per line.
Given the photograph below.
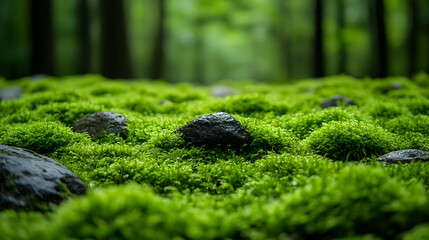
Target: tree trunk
x=342 y=56
x=283 y=41
x=115 y=55
x=413 y=38
x=319 y=64
x=158 y=55
x=84 y=39
x=42 y=37
x=199 y=56
x=380 y=47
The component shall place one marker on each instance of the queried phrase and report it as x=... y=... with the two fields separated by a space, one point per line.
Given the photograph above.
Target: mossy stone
x=337 y=100
x=100 y=123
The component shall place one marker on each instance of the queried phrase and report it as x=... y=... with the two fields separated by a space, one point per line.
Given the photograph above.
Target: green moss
x=351 y=140
x=304 y=124
x=355 y=201
x=249 y=104
x=41 y=137
x=284 y=185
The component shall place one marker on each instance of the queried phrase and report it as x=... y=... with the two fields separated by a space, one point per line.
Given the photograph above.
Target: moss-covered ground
x=310 y=173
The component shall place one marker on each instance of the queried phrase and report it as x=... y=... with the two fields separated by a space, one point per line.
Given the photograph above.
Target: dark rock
x=99 y=123
x=38 y=77
x=30 y=181
x=218 y=129
x=396 y=86
x=405 y=156
x=337 y=100
x=164 y=102
x=11 y=93
x=392 y=87
x=222 y=91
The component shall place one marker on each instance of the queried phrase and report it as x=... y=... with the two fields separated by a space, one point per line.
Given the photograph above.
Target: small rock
x=405 y=156
x=397 y=86
x=38 y=77
x=164 y=102
x=393 y=87
x=11 y=93
x=222 y=91
x=30 y=181
x=99 y=123
x=211 y=130
x=334 y=101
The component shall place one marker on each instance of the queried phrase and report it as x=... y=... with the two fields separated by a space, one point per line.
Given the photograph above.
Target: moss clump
x=353 y=202
x=351 y=140
x=41 y=137
x=249 y=104
x=302 y=125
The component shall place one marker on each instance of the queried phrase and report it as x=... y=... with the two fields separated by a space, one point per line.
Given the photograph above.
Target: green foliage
x=41 y=137
x=68 y=113
x=351 y=140
x=249 y=104
x=154 y=185
x=355 y=201
x=304 y=124
x=405 y=123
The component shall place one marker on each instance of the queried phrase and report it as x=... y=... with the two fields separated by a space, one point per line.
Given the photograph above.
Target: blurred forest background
x=203 y=41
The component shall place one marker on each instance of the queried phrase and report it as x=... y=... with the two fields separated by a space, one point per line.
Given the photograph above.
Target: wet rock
x=337 y=100
x=10 y=93
x=100 y=123
x=222 y=91
x=218 y=129
x=30 y=181
x=405 y=156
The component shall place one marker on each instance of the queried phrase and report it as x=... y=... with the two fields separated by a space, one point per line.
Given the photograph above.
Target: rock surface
x=393 y=87
x=218 y=129
x=222 y=91
x=11 y=93
x=405 y=156
x=30 y=181
x=337 y=100
x=99 y=123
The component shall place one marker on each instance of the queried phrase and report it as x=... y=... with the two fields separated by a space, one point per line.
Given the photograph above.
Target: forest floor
x=308 y=173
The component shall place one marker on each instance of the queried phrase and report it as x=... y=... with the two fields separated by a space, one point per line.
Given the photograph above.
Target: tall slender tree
x=283 y=40
x=115 y=56
x=84 y=39
x=41 y=37
x=319 y=61
x=380 y=44
x=158 y=55
x=413 y=37
x=200 y=51
x=342 y=51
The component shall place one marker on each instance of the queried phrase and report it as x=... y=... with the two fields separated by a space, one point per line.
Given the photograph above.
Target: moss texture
x=309 y=173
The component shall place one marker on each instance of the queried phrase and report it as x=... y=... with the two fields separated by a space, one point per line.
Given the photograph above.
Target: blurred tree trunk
x=283 y=41
x=84 y=38
x=158 y=55
x=378 y=29
x=413 y=38
x=319 y=64
x=200 y=51
x=41 y=37
x=342 y=58
x=115 y=55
